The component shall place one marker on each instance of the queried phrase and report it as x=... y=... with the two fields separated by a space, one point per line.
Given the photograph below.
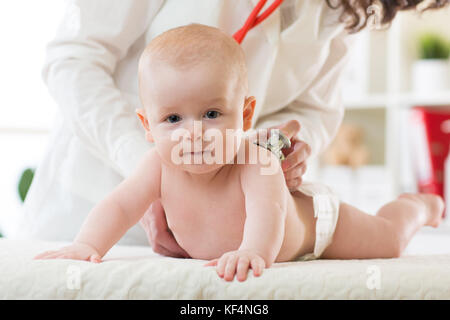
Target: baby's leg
x=362 y=236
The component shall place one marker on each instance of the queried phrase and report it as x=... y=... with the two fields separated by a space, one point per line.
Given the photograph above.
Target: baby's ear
x=249 y=109
x=142 y=116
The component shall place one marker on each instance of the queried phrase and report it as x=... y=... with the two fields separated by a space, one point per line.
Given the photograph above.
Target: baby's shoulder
x=251 y=153
x=152 y=156
x=258 y=161
x=151 y=161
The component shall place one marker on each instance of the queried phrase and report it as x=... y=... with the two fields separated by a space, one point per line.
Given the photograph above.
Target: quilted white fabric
x=139 y=273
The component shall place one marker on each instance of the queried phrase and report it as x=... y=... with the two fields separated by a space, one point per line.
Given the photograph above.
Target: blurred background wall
x=378 y=91
x=26 y=110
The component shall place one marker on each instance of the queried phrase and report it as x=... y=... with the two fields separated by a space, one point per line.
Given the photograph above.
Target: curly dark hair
x=357 y=12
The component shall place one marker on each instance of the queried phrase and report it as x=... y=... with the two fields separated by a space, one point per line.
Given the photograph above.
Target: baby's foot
x=434 y=206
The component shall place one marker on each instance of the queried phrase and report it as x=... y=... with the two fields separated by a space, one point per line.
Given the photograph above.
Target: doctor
x=294 y=59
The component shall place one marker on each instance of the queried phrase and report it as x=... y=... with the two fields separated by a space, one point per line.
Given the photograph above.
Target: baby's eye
x=212 y=114
x=173 y=118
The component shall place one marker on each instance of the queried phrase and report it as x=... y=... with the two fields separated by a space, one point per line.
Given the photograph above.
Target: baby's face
x=199 y=104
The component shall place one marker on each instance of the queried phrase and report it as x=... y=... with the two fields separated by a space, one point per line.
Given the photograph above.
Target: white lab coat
x=294 y=59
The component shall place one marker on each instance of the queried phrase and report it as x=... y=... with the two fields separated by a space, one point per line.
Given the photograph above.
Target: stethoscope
x=277 y=140
x=253 y=20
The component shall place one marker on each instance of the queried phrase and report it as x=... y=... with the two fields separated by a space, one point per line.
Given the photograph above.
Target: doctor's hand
x=294 y=164
x=158 y=233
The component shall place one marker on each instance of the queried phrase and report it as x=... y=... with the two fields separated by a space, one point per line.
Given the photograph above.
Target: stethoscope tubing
x=253 y=19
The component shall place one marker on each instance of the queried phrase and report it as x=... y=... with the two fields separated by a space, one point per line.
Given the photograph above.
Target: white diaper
x=326 y=210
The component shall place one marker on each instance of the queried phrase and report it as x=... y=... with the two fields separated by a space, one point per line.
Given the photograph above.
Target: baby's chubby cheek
x=169 y=151
x=218 y=149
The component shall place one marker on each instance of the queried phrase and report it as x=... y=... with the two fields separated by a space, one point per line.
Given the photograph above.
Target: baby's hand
x=238 y=262
x=76 y=251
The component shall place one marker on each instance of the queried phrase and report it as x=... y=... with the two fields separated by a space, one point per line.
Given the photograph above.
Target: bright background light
x=26 y=108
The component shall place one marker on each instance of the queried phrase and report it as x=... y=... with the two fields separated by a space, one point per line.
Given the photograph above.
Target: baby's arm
x=119 y=211
x=266 y=209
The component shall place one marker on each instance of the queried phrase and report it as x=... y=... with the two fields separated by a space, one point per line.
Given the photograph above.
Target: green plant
x=433 y=46
x=25 y=182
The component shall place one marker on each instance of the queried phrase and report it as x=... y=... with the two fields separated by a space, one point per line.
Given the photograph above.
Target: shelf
x=412 y=99
x=397 y=100
x=366 y=102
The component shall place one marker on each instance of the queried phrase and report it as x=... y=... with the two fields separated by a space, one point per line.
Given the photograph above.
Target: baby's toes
x=436 y=206
x=433 y=204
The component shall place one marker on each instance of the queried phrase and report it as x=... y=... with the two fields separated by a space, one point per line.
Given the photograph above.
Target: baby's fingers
x=43 y=255
x=230 y=268
x=221 y=264
x=211 y=263
x=95 y=258
x=242 y=268
x=258 y=265
x=54 y=255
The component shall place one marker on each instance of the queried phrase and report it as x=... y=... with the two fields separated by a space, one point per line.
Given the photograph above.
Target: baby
x=235 y=211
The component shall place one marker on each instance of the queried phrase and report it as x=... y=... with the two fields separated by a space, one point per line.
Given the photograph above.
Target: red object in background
x=431 y=130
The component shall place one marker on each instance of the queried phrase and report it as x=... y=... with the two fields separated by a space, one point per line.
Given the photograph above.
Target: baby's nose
x=194 y=129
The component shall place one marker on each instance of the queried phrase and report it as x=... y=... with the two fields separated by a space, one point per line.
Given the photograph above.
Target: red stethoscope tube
x=253 y=20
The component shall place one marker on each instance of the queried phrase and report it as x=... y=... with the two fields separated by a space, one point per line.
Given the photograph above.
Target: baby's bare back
x=207 y=219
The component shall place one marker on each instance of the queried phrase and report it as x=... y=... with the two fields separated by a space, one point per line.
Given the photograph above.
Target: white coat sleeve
x=79 y=63
x=319 y=108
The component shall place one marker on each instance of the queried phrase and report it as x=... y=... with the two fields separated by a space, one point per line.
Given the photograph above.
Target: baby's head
x=193 y=79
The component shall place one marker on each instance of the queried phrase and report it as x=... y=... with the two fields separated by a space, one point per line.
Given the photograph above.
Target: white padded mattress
x=138 y=273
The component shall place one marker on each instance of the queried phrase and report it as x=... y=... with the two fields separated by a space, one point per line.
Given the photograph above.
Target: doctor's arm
x=115 y=214
x=78 y=70
x=319 y=109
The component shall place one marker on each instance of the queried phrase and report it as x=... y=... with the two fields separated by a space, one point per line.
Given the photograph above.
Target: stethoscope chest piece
x=276 y=142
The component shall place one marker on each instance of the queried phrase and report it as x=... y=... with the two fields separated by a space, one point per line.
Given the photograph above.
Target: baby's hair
x=187 y=46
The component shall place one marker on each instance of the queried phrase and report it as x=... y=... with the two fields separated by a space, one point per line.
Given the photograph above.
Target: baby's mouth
x=198 y=152
x=208 y=149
